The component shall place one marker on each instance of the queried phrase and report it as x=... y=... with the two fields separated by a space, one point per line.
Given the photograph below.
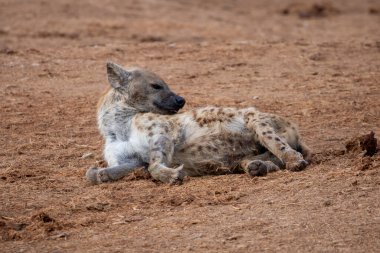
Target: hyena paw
x=259 y=168
x=96 y=176
x=177 y=176
x=169 y=175
x=296 y=166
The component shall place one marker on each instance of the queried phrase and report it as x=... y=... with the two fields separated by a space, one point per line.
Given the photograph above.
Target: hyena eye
x=156 y=86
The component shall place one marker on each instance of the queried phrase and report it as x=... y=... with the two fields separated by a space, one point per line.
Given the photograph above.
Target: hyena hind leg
x=278 y=145
x=262 y=164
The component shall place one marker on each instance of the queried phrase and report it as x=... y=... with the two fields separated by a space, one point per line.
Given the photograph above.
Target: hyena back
x=139 y=121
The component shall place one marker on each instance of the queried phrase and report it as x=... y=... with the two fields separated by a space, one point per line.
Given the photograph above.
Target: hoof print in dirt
x=366 y=143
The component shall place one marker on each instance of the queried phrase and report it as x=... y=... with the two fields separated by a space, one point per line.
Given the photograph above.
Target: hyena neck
x=115 y=116
x=120 y=105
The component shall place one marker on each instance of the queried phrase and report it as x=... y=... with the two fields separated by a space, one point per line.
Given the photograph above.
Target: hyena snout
x=179 y=101
x=171 y=104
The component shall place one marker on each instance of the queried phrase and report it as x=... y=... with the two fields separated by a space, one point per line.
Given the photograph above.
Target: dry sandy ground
x=319 y=66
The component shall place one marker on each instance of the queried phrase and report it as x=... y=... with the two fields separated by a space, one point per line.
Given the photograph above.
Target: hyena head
x=144 y=90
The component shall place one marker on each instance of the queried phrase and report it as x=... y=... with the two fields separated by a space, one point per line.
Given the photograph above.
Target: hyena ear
x=117 y=75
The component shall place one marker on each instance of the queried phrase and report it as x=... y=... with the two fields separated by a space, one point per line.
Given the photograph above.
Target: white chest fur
x=117 y=152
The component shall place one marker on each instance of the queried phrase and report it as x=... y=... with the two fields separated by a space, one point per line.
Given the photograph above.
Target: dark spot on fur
x=282 y=148
x=277 y=139
x=200 y=148
x=112 y=136
x=149 y=128
x=269 y=132
x=264 y=133
x=269 y=137
x=212 y=109
x=154 y=124
x=263 y=124
x=214 y=149
x=166 y=129
x=150 y=118
x=250 y=114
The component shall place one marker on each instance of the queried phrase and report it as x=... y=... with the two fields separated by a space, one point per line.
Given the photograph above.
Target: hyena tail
x=305 y=151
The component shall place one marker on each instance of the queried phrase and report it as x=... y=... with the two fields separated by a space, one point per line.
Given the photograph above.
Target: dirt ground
x=317 y=63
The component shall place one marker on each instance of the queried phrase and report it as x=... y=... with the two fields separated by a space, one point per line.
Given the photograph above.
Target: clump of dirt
x=148 y=38
x=360 y=152
x=9 y=229
x=374 y=11
x=363 y=151
x=317 y=10
x=8 y=51
x=367 y=143
x=38 y=225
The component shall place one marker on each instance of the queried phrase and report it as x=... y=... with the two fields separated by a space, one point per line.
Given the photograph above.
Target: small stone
x=87 y=155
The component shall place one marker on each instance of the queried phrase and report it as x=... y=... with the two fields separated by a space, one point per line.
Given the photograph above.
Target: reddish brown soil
x=318 y=66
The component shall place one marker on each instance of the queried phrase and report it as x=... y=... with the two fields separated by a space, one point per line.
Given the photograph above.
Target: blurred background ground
x=316 y=62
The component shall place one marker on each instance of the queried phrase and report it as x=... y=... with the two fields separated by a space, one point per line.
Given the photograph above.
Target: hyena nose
x=180 y=101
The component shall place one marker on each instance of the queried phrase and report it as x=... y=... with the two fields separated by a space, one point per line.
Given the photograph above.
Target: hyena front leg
x=262 y=164
x=276 y=144
x=161 y=152
x=96 y=175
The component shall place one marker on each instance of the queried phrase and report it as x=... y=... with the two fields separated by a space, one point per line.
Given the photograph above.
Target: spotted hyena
x=138 y=118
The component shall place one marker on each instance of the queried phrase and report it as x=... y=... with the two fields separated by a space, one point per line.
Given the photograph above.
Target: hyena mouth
x=166 y=109
x=171 y=105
